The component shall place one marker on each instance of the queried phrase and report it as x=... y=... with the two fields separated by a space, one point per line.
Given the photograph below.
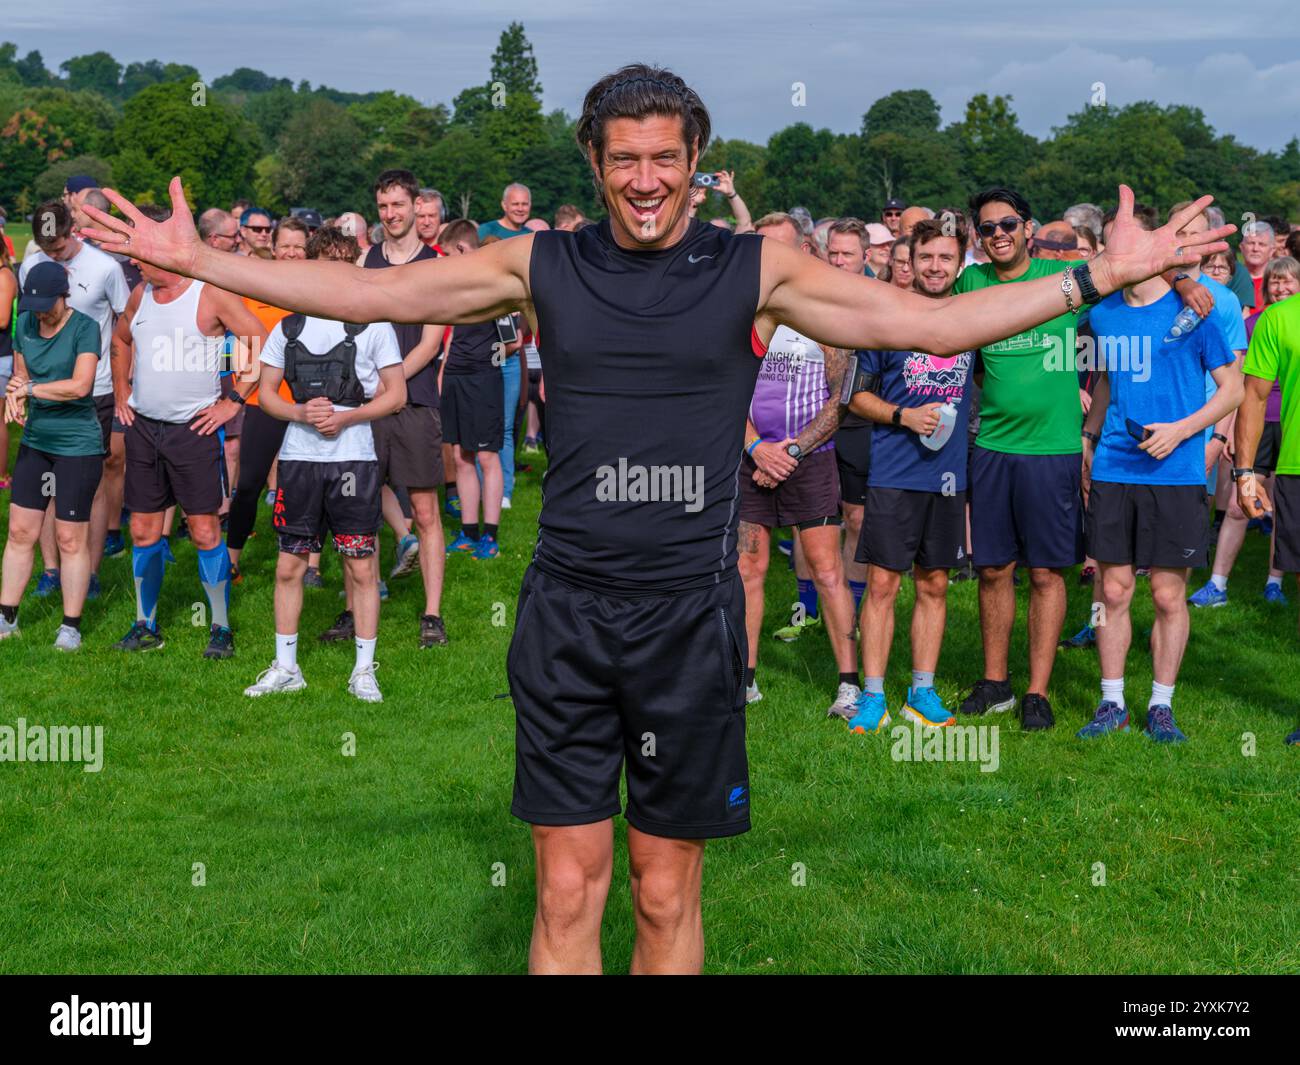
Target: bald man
x=907 y=222
x=1056 y=240
x=516 y=206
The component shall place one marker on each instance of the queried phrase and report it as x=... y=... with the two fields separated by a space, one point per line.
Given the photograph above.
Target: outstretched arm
x=846 y=310
x=491 y=282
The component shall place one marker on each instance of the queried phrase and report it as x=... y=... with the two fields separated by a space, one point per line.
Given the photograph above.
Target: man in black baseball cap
x=892 y=214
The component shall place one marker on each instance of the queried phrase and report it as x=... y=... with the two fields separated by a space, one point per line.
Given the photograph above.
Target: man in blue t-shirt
x=915 y=512
x=1144 y=482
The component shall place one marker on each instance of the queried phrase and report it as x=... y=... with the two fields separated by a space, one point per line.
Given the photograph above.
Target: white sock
x=1220 y=581
x=1161 y=695
x=1112 y=691
x=286 y=650
x=365 y=653
x=1273 y=580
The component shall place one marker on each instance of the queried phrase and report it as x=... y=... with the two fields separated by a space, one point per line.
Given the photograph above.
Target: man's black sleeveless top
x=649 y=369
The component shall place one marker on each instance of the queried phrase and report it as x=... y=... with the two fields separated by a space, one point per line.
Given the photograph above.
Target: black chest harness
x=332 y=374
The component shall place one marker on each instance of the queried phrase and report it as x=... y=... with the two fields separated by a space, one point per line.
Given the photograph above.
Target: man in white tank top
x=166 y=382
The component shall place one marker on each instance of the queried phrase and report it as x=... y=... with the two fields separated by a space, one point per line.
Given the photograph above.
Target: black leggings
x=262 y=437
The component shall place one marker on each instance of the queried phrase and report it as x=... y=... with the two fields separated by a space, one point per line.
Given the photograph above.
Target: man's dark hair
x=402 y=179
x=1000 y=194
x=51 y=222
x=155 y=212
x=1281 y=227
x=1144 y=214
x=640 y=91
x=929 y=229
x=330 y=242
x=460 y=230
x=1293 y=244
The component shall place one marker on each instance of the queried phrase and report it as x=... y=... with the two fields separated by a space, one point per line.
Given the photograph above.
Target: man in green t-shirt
x=56 y=352
x=516 y=205
x=1273 y=355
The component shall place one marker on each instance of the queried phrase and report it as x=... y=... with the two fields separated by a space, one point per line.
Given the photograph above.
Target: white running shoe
x=362 y=684
x=846 y=702
x=505 y=502
x=8 y=628
x=752 y=694
x=67 y=639
x=276 y=678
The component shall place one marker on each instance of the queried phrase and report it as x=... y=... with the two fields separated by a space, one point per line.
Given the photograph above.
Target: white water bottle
x=943 y=431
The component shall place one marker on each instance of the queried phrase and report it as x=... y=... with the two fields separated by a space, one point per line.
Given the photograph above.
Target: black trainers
x=342 y=629
x=432 y=631
x=988 y=696
x=221 y=643
x=1036 y=713
x=140 y=638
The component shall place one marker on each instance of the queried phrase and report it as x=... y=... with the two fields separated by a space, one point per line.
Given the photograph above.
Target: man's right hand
x=773 y=459
x=316 y=411
x=1252 y=498
x=172 y=245
x=122 y=409
x=921 y=420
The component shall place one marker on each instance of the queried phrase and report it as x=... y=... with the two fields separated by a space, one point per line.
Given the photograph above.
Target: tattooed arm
x=827 y=420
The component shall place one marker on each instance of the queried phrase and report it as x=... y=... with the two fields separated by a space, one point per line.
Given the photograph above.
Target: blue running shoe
x=786 y=547
x=924 y=706
x=408 y=557
x=1273 y=594
x=1161 y=727
x=1085 y=637
x=48 y=583
x=1209 y=596
x=1110 y=717
x=92 y=592
x=487 y=548
x=270 y=497
x=168 y=558
x=383 y=592
x=1293 y=740
x=452 y=507
x=462 y=543
x=872 y=713
x=114 y=545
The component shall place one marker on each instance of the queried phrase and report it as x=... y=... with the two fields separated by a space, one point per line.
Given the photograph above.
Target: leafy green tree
x=469 y=174
x=993 y=148
x=50 y=184
x=904 y=111
x=31 y=70
x=322 y=155
x=747 y=161
x=98 y=72
x=86 y=118
x=139 y=76
x=248 y=80
x=29 y=143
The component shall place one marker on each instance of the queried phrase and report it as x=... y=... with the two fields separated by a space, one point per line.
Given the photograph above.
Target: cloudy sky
x=1240 y=63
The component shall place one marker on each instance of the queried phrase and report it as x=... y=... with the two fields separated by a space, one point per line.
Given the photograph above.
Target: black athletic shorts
x=1270 y=443
x=1025 y=508
x=1286 y=522
x=71 y=479
x=409 y=447
x=903 y=528
x=106 y=412
x=473 y=410
x=340 y=496
x=592 y=688
x=168 y=462
x=853 y=457
x=1161 y=525
x=810 y=494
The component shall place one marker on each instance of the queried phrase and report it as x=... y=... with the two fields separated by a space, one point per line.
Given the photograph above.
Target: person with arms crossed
x=646 y=321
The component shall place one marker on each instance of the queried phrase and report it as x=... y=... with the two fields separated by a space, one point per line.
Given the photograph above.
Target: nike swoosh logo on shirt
x=698 y=258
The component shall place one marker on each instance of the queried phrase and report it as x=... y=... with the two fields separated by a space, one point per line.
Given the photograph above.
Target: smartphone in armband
x=506 y=331
x=859 y=380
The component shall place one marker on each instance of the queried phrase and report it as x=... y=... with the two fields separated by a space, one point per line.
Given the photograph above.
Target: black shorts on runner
x=106 y=412
x=72 y=479
x=591 y=691
x=853 y=458
x=902 y=528
x=1270 y=443
x=409 y=447
x=168 y=462
x=1161 y=525
x=1025 y=508
x=340 y=496
x=1286 y=522
x=473 y=410
x=810 y=494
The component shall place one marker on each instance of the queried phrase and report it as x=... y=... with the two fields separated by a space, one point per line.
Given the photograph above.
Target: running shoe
x=1109 y=717
x=141 y=638
x=114 y=545
x=236 y=574
x=1293 y=740
x=1266 y=525
x=1085 y=637
x=433 y=633
x=924 y=706
x=988 y=696
x=275 y=678
x=530 y=446
x=1209 y=596
x=487 y=548
x=408 y=557
x=964 y=572
x=8 y=628
x=362 y=684
x=67 y=639
x=168 y=557
x=270 y=497
x=846 y=701
x=343 y=629
x=1143 y=571
x=1036 y=713
x=1161 y=727
x=182 y=530
x=752 y=694
x=383 y=591
x=312 y=578
x=452 y=507
x=1273 y=594
x=92 y=589
x=505 y=503
x=221 y=643
x=871 y=714
x=786 y=547
x=462 y=543
x=795 y=629
x=48 y=584
x=1086 y=576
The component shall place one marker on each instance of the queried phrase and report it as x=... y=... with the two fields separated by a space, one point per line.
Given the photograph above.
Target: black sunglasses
x=1007 y=225
x=258 y=229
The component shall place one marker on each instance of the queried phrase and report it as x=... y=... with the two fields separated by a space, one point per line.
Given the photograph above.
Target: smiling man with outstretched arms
x=646 y=320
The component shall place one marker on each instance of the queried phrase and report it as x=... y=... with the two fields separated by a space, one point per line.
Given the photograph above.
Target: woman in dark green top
x=56 y=350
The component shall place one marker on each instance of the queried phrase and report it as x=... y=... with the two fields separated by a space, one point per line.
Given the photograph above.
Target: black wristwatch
x=1238 y=472
x=1219 y=437
x=1083 y=278
x=794 y=451
x=1094 y=437
x=897 y=417
x=234 y=394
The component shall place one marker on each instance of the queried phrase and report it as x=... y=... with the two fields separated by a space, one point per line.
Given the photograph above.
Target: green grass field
x=20 y=233
x=385 y=861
